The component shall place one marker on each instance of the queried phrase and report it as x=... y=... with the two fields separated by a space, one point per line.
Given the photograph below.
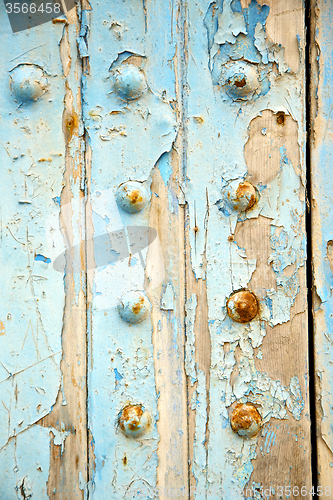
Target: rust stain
x=71 y=125
x=280 y=118
x=59 y=21
x=73 y=378
x=135 y=197
x=240 y=83
x=138 y=306
x=2 y=328
x=125 y=460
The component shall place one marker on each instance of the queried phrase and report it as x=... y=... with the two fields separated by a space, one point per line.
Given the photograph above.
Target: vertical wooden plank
x=43 y=305
x=322 y=223
x=245 y=122
x=131 y=117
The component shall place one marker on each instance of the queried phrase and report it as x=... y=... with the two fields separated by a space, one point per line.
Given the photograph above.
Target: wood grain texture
x=69 y=460
x=321 y=152
x=44 y=453
x=188 y=100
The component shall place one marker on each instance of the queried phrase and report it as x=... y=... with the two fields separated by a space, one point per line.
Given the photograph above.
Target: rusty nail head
x=240 y=196
x=241 y=80
x=242 y=306
x=246 y=420
x=134 y=421
x=132 y=196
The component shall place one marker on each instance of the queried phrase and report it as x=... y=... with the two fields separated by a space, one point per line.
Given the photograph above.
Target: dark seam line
x=309 y=271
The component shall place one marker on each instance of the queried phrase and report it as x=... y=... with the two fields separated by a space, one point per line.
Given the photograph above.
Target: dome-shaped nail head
x=134 y=307
x=27 y=82
x=132 y=196
x=134 y=421
x=241 y=80
x=129 y=82
x=246 y=420
x=242 y=197
x=242 y=306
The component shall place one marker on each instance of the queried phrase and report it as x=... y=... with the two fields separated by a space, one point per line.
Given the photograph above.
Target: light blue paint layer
x=129 y=137
x=32 y=292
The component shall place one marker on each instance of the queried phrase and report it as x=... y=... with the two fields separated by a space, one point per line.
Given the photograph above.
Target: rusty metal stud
x=243 y=196
x=242 y=306
x=129 y=82
x=134 y=421
x=241 y=80
x=246 y=420
x=132 y=196
x=27 y=82
x=134 y=307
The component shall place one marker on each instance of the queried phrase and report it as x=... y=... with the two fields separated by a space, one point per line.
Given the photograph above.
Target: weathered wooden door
x=166 y=250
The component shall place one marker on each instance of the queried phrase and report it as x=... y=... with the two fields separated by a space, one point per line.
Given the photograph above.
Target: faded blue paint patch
x=129 y=139
x=118 y=378
x=57 y=200
x=42 y=258
x=165 y=168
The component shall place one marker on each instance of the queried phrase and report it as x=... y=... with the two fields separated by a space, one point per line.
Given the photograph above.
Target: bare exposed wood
x=68 y=469
x=259 y=138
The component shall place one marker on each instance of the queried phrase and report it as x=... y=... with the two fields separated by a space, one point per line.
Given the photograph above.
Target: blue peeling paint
x=42 y=258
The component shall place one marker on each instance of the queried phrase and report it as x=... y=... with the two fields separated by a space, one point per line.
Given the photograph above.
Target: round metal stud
x=243 y=196
x=129 y=82
x=242 y=306
x=134 y=307
x=241 y=80
x=27 y=82
x=246 y=420
x=132 y=196
x=134 y=421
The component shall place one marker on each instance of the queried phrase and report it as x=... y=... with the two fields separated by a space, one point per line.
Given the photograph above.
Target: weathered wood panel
x=132 y=113
x=322 y=229
x=186 y=100
x=245 y=78
x=43 y=347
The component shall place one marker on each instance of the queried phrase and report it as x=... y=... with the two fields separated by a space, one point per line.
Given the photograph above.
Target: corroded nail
x=242 y=306
x=134 y=307
x=129 y=82
x=245 y=420
x=134 y=421
x=243 y=197
x=132 y=196
x=241 y=80
x=28 y=82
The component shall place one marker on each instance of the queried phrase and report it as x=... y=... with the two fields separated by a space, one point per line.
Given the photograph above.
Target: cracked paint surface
x=131 y=125
x=32 y=165
x=234 y=72
x=244 y=73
